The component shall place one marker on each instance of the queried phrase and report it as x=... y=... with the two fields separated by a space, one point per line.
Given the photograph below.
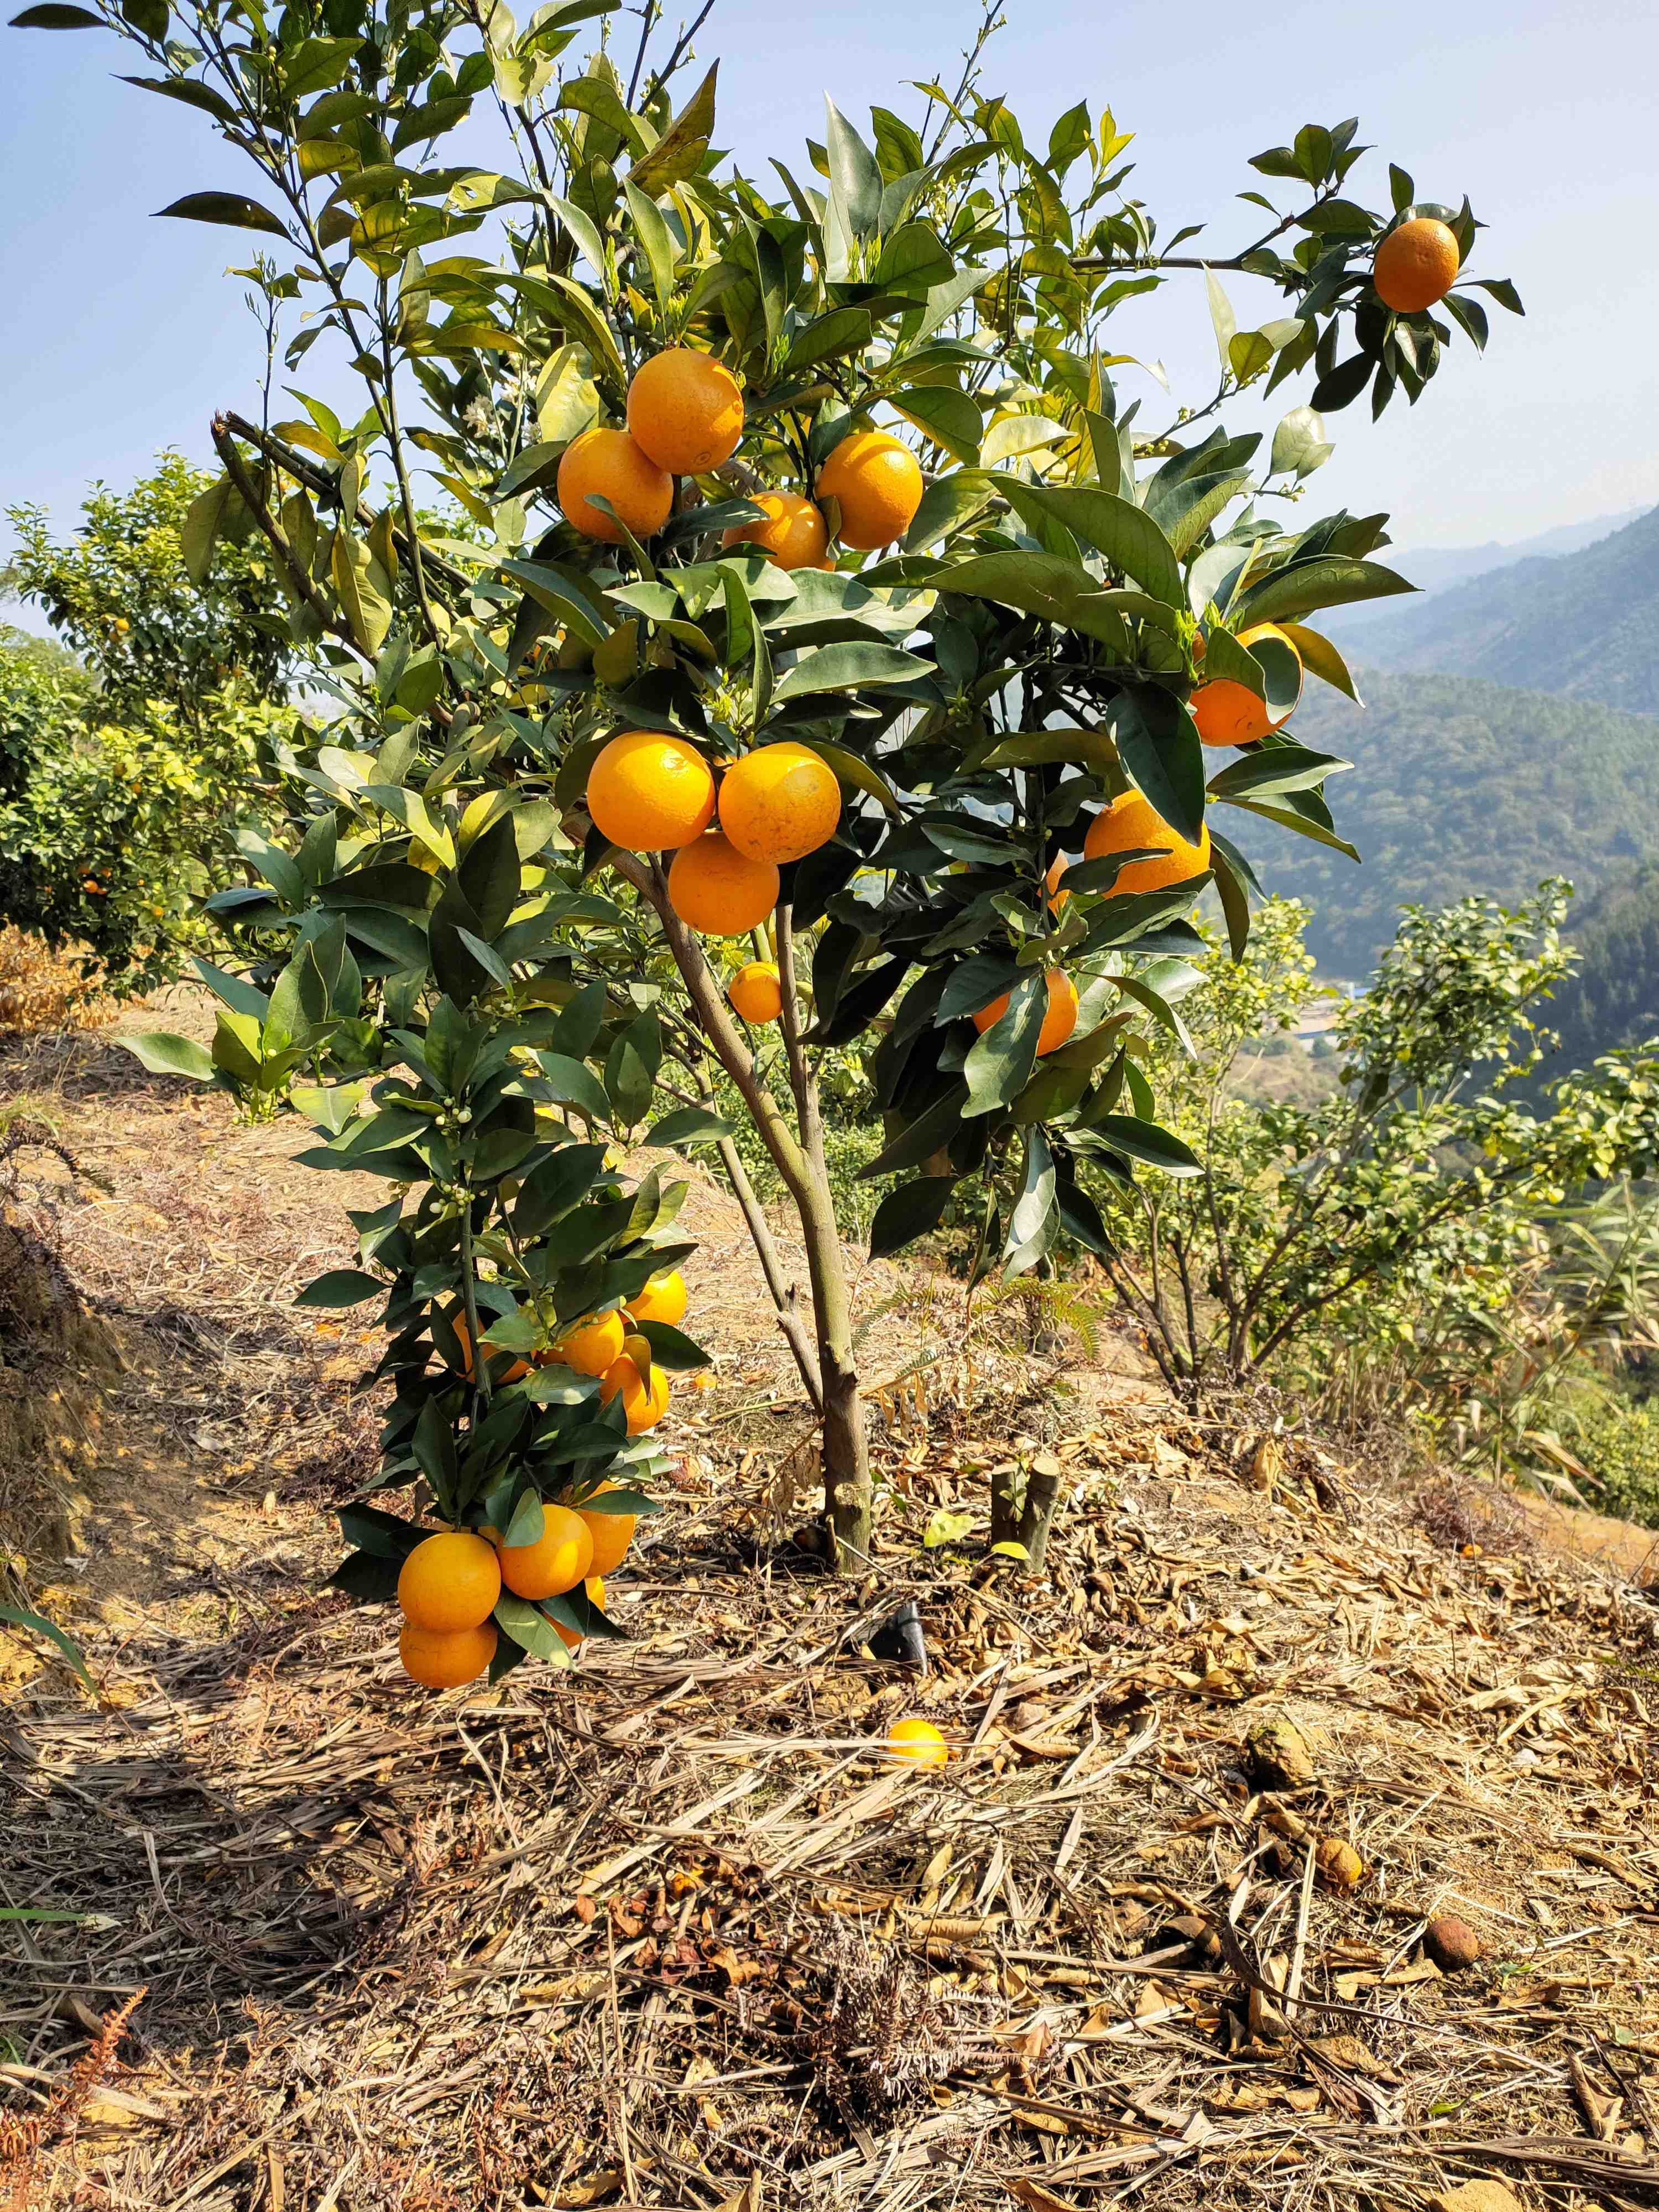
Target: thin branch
x=236 y=469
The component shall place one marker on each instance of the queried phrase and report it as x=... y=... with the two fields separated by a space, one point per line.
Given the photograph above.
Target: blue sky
x=126 y=334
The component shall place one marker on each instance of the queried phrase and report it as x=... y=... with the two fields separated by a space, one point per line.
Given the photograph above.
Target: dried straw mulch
x=669 y=1929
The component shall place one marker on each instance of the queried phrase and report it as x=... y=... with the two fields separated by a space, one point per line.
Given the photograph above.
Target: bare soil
x=670 y=1928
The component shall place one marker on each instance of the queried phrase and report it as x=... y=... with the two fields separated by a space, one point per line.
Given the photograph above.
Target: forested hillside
x=1460 y=786
x=1614 y=998
x=1584 y=625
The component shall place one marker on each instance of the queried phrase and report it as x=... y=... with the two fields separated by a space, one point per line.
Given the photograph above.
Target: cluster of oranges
x=449 y=1585
x=608 y=1347
x=649 y=792
x=685 y=418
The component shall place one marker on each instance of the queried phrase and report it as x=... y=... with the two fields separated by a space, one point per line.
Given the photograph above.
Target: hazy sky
x=123 y=334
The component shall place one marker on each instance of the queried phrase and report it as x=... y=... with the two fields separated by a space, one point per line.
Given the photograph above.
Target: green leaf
x=672 y=1348
x=164 y=1054
x=945 y=1526
x=851 y=770
x=855 y=185
x=365 y=592
x=913 y=1210
x=1035 y=1221
x=849 y=667
x=688 y=1126
x=573 y=1084
x=531 y=1629
x=1039 y=584
x=1328 y=580
x=1145 y=1141
x=55 y=15
x=234 y=210
x=33 y=1623
x=1299 y=444
x=1275 y=768
x=999 y=1062
x=934 y=1125
x=651 y=230
x=341 y=1286
x=1321 y=658
x=1159 y=745
x=946 y=415
x=1125 y=534
x=678 y=153
x=189 y=93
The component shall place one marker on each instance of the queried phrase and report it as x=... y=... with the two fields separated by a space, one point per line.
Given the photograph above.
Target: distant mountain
x=1584 y=625
x=1436 y=568
x=1459 y=785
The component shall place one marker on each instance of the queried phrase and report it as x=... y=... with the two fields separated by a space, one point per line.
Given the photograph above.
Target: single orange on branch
x=609 y=465
x=591 y=1348
x=685 y=411
x=1231 y=714
x=650 y=794
x=1131 y=825
x=449 y=1582
x=877 y=481
x=756 y=992
x=644 y=1396
x=444 y=1661
x=716 y=889
x=556 y=1561
x=780 y=803
x=1416 y=264
x=612 y=1533
x=663 y=1299
x=1058 y=1019
x=793 y=534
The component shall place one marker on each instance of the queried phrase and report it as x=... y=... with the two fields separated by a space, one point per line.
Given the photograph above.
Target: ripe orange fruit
x=612 y=1533
x=450 y=1581
x=1059 y=1021
x=878 y=480
x=685 y=411
x=1129 y=824
x=594 y=1587
x=519 y=1367
x=591 y=1348
x=663 y=1299
x=1415 y=265
x=794 y=534
x=442 y=1661
x=780 y=803
x=756 y=992
x=650 y=794
x=1228 y=714
x=609 y=465
x=1057 y=897
x=917 y=1743
x=644 y=1403
x=558 y=1559
x=714 y=888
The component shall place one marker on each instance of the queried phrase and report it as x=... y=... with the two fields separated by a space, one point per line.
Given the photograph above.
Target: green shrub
x=1618 y=1440
x=124 y=760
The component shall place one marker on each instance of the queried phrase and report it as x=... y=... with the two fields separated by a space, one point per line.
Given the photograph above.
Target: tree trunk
x=800 y=1161
x=1043 y=1487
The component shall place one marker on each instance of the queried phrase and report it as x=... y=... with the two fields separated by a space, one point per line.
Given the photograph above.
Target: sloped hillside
x=1584 y=625
x=1296 y=1848
x=1460 y=785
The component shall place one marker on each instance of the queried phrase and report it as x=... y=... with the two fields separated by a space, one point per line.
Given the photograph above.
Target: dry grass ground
x=669 y=1929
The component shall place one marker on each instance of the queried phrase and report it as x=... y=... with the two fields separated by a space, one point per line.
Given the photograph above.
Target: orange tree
x=819 y=604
